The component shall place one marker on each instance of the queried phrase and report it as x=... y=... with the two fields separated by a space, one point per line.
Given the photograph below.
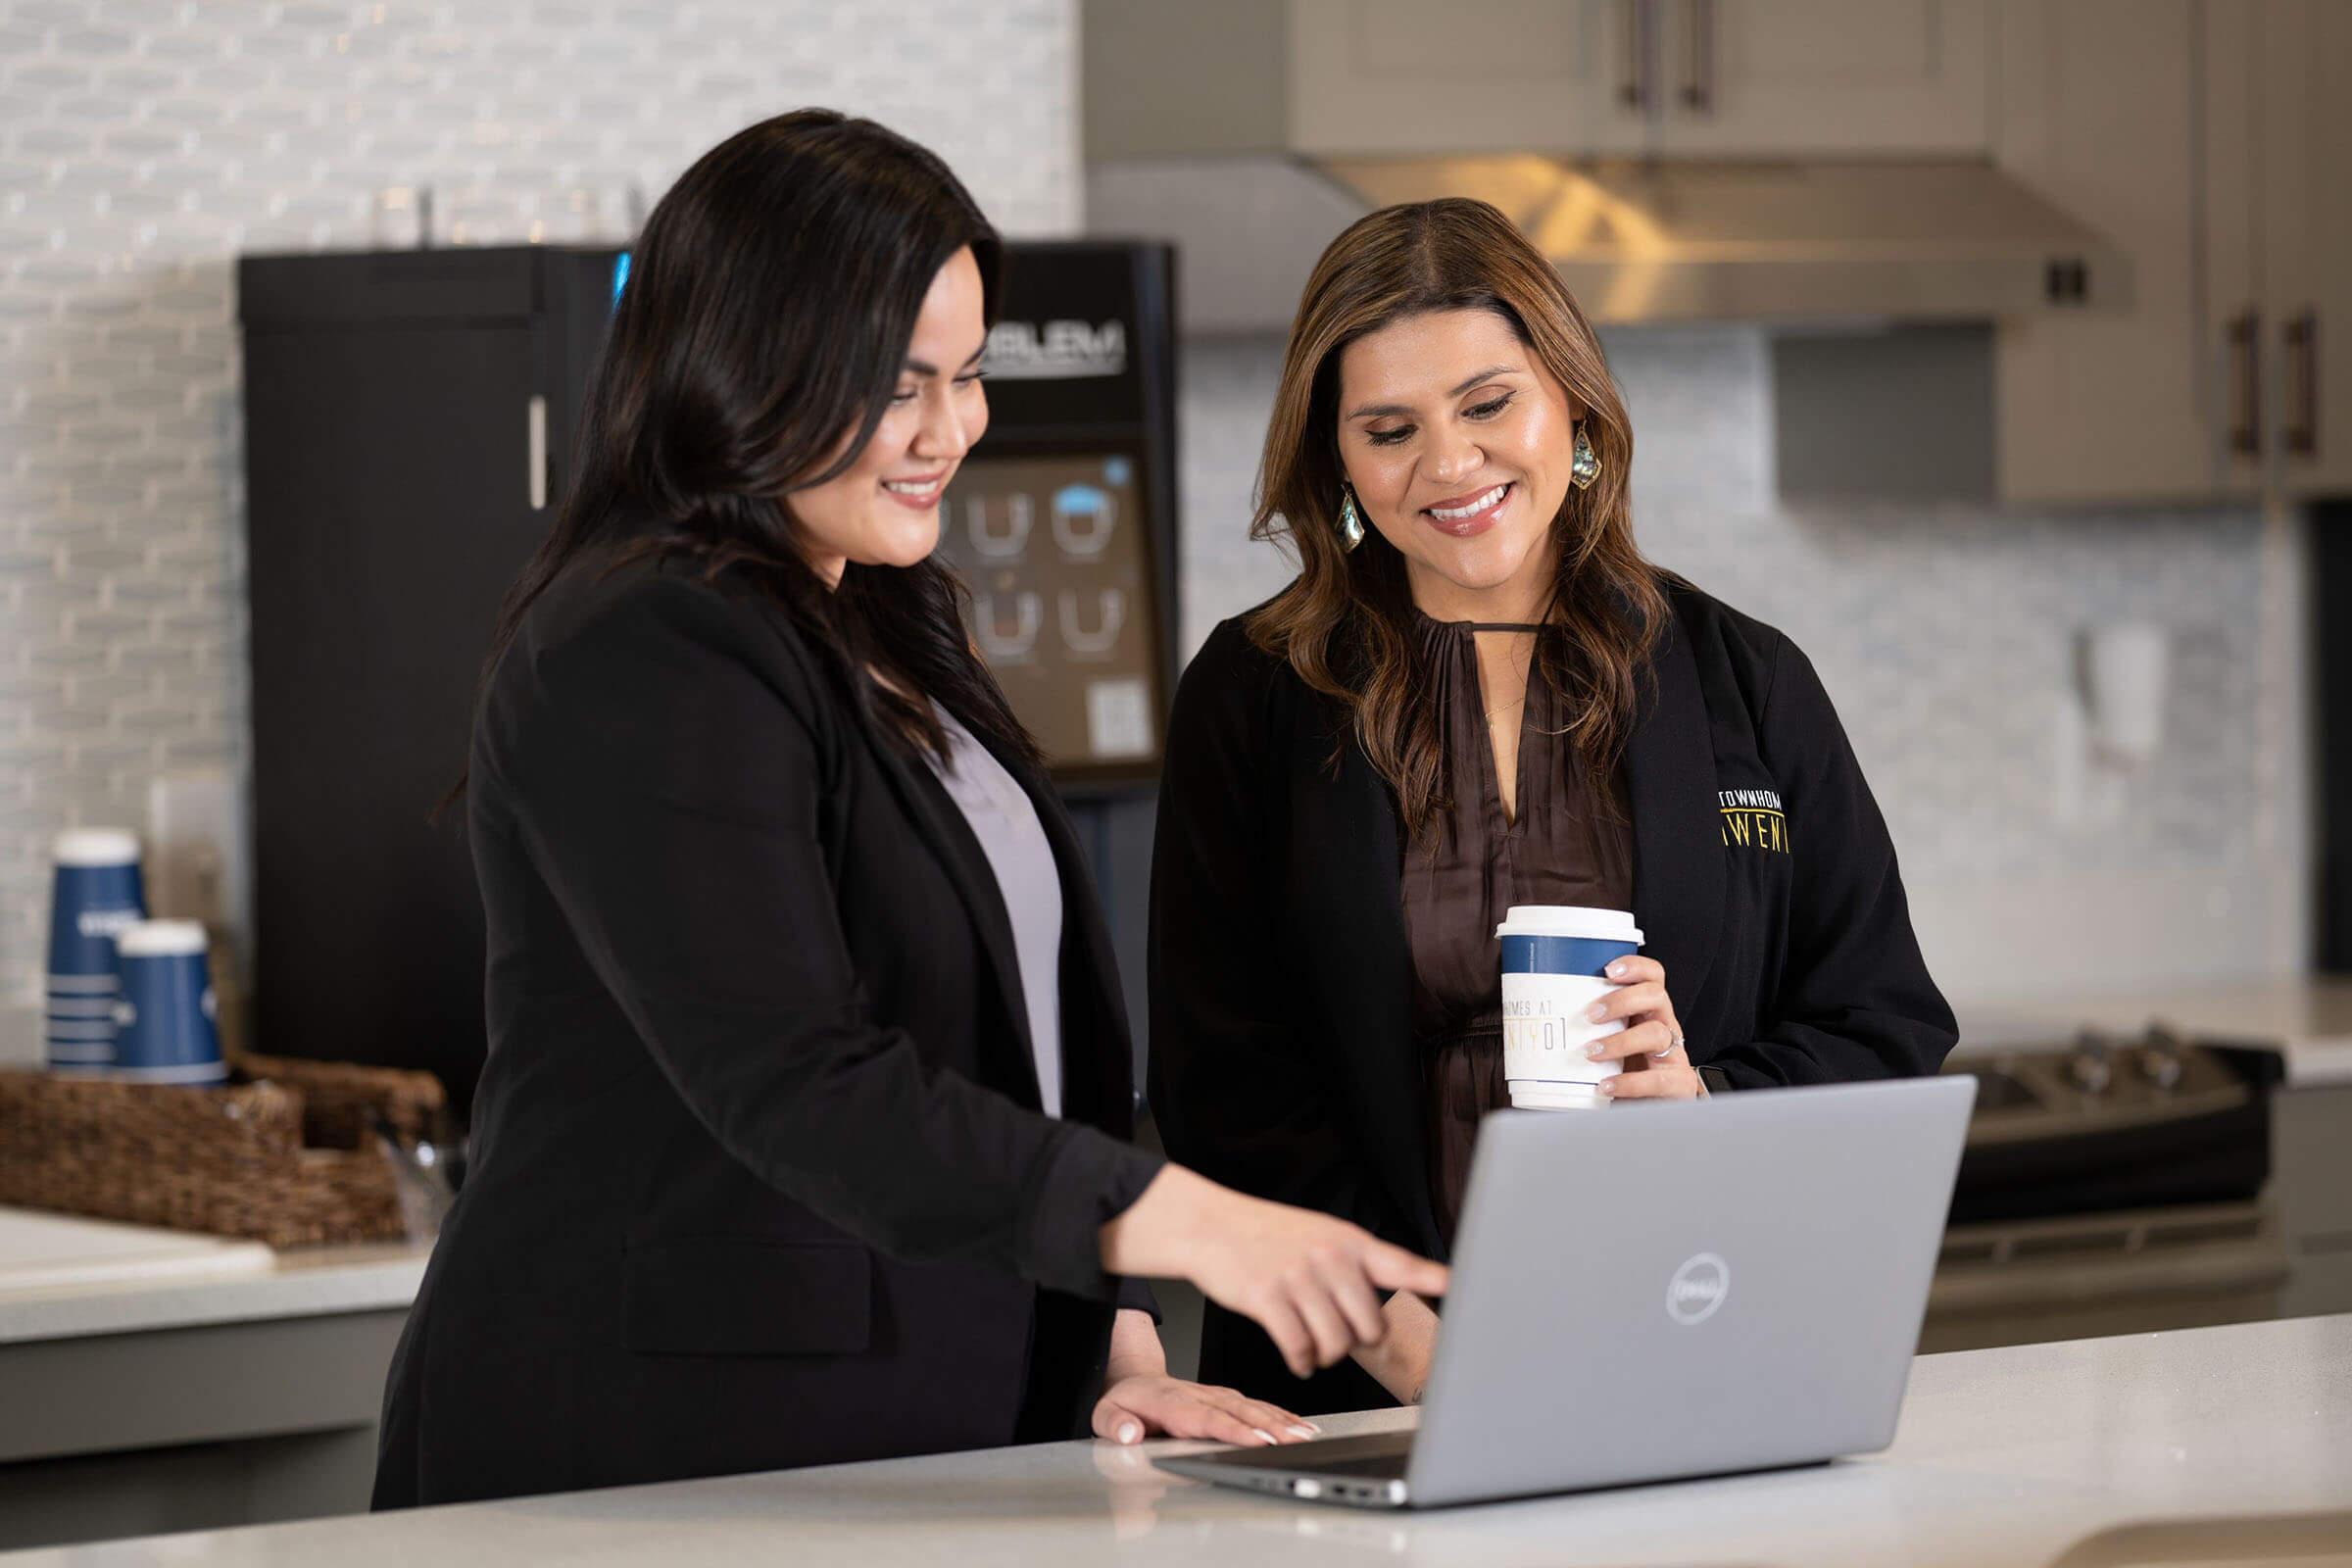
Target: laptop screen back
x=1686 y=1289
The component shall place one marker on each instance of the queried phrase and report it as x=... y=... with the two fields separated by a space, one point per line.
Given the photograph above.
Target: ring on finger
x=1661 y=1056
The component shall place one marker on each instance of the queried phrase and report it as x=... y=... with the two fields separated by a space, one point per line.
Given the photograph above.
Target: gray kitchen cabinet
x=1747 y=79
x=197 y=1403
x=2095 y=112
x=2304 y=48
x=1477 y=76
x=2200 y=138
x=1776 y=78
x=2312 y=1175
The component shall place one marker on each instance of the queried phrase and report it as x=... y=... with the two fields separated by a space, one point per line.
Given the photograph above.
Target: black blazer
x=759 y=1177
x=1282 y=1056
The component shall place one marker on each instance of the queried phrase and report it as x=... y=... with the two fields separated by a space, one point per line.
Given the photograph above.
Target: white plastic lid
x=1569 y=921
x=97 y=845
x=161 y=939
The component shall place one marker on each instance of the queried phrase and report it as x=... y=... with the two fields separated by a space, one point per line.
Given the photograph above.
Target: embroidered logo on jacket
x=1753 y=819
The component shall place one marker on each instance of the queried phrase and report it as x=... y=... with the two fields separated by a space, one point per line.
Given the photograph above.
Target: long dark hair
x=1345 y=622
x=767 y=310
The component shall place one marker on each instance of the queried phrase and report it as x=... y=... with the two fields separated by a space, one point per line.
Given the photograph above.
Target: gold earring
x=1584 y=464
x=1351 y=524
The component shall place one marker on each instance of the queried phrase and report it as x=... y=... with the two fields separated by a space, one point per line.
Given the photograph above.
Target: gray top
x=1006 y=823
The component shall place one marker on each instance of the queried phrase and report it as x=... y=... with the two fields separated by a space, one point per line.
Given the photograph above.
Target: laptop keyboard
x=1380 y=1455
x=1383 y=1466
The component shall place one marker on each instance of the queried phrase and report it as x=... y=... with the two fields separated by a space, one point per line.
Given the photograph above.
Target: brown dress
x=1565 y=846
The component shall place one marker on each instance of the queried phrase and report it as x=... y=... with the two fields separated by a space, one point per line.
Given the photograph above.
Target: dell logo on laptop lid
x=1698 y=1289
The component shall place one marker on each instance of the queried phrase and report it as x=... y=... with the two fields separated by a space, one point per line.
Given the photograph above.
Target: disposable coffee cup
x=164 y=1031
x=95 y=894
x=1553 y=958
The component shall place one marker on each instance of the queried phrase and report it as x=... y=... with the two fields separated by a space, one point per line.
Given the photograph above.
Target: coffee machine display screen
x=1056 y=552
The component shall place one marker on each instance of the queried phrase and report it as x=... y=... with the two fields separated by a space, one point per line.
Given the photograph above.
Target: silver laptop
x=1664 y=1291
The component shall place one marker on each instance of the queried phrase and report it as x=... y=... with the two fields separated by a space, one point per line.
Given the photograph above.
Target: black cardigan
x=1282 y=1058
x=759 y=1176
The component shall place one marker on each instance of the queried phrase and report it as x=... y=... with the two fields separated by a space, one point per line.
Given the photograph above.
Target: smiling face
x=883 y=510
x=1458 y=444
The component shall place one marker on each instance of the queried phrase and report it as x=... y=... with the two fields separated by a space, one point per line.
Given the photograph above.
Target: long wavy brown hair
x=1345 y=624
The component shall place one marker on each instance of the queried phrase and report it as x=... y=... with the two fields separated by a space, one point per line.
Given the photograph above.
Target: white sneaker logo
x=1698 y=1289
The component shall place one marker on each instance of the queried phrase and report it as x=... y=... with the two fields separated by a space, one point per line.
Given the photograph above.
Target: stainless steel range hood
x=1640 y=242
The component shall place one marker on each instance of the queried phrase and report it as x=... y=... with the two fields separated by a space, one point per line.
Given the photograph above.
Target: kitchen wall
x=1948 y=637
x=145 y=143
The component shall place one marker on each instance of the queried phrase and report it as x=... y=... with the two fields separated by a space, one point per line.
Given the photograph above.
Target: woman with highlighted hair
x=1478 y=694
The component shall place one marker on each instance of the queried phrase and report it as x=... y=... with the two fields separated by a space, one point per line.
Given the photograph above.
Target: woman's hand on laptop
x=1162 y=1406
x=1650 y=1044
x=1140 y=1400
x=1311 y=1281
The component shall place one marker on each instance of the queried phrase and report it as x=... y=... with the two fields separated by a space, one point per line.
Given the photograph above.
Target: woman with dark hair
x=1476 y=694
x=803 y=1134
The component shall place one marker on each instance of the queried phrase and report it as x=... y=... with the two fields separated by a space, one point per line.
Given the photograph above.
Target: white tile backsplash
x=145 y=143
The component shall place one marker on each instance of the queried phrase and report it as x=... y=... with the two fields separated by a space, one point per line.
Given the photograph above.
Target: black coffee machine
x=410 y=417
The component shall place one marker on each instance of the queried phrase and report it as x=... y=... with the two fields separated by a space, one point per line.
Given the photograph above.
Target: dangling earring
x=1351 y=525
x=1584 y=464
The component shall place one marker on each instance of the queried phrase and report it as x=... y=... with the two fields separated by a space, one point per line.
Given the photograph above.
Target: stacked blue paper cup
x=95 y=895
x=164 y=1030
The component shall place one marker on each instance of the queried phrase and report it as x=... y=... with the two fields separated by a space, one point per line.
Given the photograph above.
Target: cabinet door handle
x=1633 y=91
x=2301 y=336
x=535 y=425
x=1699 y=56
x=2246 y=384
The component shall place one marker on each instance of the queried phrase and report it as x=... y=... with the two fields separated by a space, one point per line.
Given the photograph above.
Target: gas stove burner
x=2158 y=1075
x=2106 y=1121
x=2088 y=1065
x=2163 y=1057
x=2159 y=1057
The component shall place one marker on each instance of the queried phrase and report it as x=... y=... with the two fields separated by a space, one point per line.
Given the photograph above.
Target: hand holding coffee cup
x=1581 y=1009
x=1647 y=1044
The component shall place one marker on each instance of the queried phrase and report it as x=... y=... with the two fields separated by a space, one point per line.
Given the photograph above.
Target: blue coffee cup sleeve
x=1536 y=955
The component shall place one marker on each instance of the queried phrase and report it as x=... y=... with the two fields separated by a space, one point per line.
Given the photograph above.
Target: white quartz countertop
x=304 y=1283
x=2207 y=1444
x=41 y=1249
x=2308 y=1019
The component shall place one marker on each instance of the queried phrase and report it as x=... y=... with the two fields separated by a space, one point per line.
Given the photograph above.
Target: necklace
x=1517 y=699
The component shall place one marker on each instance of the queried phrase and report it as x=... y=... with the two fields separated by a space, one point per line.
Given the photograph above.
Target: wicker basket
x=281 y=1153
